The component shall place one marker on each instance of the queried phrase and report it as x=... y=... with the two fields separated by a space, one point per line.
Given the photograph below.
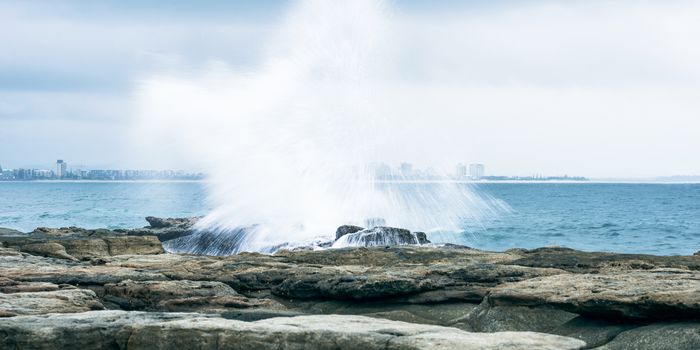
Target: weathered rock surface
x=58 y=301
x=134 y=330
x=165 y=229
x=658 y=336
x=74 y=243
x=656 y=294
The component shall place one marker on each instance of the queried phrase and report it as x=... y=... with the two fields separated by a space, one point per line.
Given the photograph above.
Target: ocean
x=634 y=218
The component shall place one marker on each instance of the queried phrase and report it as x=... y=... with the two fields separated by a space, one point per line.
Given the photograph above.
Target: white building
x=476 y=171
x=61 y=167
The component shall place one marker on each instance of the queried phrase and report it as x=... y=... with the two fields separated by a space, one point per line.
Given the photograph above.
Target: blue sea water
x=639 y=218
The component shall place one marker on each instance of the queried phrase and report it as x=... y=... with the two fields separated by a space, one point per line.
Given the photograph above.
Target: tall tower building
x=476 y=171
x=61 y=168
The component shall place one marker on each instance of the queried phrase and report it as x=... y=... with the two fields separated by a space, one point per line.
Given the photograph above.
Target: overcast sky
x=592 y=88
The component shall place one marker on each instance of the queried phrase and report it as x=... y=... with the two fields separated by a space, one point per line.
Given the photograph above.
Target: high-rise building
x=61 y=167
x=461 y=171
x=476 y=171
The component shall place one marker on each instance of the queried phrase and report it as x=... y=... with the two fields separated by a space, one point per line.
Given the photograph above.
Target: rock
x=135 y=330
x=380 y=236
x=140 y=295
x=214 y=243
x=345 y=229
x=11 y=286
x=47 y=249
x=657 y=294
x=58 y=301
x=595 y=332
x=74 y=243
x=134 y=245
x=11 y=232
x=166 y=229
x=594 y=262
x=156 y=222
x=487 y=318
x=658 y=336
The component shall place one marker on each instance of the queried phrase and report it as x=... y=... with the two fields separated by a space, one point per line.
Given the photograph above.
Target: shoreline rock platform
x=101 y=289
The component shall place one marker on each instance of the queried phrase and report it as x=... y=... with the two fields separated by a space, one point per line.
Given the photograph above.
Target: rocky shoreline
x=75 y=288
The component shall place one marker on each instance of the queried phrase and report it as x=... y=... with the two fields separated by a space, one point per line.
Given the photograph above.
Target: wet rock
x=11 y=232
x=657 y=294
x=118 y=329
x=487 y=318
x=156 y=222
x=58 y=301
x=381 y=236
x=658 y=336
x=345 y=229
x=214 y=243
x=595 y=332
x=166 y=229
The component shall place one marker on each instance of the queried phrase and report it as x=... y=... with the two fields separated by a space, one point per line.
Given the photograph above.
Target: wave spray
x=288 y=144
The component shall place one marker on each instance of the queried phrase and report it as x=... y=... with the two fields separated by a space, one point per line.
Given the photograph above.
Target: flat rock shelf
x=100 y=289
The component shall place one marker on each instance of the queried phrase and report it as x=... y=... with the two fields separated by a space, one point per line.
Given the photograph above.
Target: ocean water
x=639 y=218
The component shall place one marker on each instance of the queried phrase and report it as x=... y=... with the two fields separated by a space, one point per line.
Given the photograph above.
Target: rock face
x=118 y=329
x=378 y=236
x=74 y=243
x=58 y=301
x=656 y=294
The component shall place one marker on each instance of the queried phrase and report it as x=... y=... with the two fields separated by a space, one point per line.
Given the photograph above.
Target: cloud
x=584 y=87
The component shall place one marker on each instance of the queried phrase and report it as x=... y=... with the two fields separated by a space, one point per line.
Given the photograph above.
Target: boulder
x=58 y=301
x=165 y=229
x=345 y=229
x=135 y=330
x=647 y=294
x=381 y=236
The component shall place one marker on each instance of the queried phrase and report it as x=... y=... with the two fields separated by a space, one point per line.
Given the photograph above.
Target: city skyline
x=608 y=104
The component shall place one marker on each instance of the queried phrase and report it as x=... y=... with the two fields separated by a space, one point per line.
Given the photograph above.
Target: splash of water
x=287 y=144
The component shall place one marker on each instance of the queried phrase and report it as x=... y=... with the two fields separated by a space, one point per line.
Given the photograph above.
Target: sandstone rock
x=59 y=301
x=48 y=249
x=134 y=245
x=593 y=262
x=84 y=245
x=118 y=329
x=380 y=236
x=139 y=295
x=658 y=336
x=658 y=294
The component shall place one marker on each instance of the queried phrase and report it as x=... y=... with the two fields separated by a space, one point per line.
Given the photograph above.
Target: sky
x=590 y=88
